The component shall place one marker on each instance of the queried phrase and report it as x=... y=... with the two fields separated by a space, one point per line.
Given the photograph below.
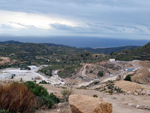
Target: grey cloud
x=93 y=16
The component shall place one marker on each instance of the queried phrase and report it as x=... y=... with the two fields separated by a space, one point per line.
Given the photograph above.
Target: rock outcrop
x=87 y=104
x=142 y=76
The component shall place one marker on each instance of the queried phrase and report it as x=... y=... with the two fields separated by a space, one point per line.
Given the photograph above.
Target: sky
x=120 y=19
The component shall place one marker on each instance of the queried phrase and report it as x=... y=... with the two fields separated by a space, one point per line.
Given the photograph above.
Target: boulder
x=88 y=104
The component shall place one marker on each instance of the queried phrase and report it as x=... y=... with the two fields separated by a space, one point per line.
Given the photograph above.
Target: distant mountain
x=141 y=53
x=11 y=42
x=48 y=44
x=55 y=45
x=107 y=51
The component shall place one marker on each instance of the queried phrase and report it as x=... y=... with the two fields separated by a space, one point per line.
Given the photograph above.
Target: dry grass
x=17 y=98
x=66 y=93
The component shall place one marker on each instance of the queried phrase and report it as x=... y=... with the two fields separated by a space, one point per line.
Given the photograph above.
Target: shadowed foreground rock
x=87 y=104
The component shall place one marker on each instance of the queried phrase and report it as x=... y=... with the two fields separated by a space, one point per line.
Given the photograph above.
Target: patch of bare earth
x=128 y=86
x=142 y=76
x=119 y=101
x=4 y=60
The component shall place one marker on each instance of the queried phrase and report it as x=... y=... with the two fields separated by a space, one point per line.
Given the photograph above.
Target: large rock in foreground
x=87 y=104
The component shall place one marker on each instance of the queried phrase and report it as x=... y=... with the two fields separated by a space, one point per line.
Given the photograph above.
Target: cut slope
x=142 y=76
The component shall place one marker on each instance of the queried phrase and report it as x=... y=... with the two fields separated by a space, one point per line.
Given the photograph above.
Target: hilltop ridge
x=106 y=51
x=141 y=53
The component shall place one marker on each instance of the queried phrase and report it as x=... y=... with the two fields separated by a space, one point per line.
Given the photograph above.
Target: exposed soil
x=119 y=101
x=142 y=76
x=128 y=86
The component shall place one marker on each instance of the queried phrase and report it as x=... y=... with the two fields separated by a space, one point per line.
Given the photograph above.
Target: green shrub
x=12 y=77
x=91 y=71
x=110 y=92
x=128 y=78
x=110 y=86
x=43 y=82
x=118 y=90
x=95 y=96
x=36 y=89
x=50 y=100
x=100 y=73
x=41 y=92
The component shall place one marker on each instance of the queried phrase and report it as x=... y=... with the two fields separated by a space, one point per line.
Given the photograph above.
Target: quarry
x=124 y=96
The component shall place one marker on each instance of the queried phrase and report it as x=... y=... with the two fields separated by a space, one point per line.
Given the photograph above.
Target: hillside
x=110 y=50
x=11 y=42
x=106 y=51
x=31 y=53
x=141 y=53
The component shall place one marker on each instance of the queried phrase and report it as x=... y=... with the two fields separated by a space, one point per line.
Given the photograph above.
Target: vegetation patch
x=17 y=97
x=40 y=92
x=110 y=88
x=65 y=70
x=66 y=93
x=100 y=73
x=128 y=78
x=44 y=82
x=95 y=96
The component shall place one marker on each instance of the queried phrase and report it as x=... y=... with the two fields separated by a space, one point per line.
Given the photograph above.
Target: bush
x=17 y=98
x=110 y=92
x=118 y=90
x=66 y=93
x=50 y=100
x=42 y=94
x=95 y=96
x=36 y=89
x=91 y=71
x=100 y=73
x=43 y=82
x=110 y=86
x=12 y=77
x=128 y=78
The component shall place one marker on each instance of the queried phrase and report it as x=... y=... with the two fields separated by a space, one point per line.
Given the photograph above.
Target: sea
x=77 y=41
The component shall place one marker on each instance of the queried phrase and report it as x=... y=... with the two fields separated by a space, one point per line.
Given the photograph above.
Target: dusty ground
x=142 y=76
x=27 y=75
x=128 y=86
x=119 y=104
x=4 y=60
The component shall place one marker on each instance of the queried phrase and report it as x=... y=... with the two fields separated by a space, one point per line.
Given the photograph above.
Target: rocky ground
x=120 y=103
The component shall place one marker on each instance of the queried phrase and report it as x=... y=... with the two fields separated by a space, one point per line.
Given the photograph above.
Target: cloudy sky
x=124 y=19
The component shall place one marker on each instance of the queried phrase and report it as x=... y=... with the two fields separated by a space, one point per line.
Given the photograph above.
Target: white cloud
x=25 y=20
